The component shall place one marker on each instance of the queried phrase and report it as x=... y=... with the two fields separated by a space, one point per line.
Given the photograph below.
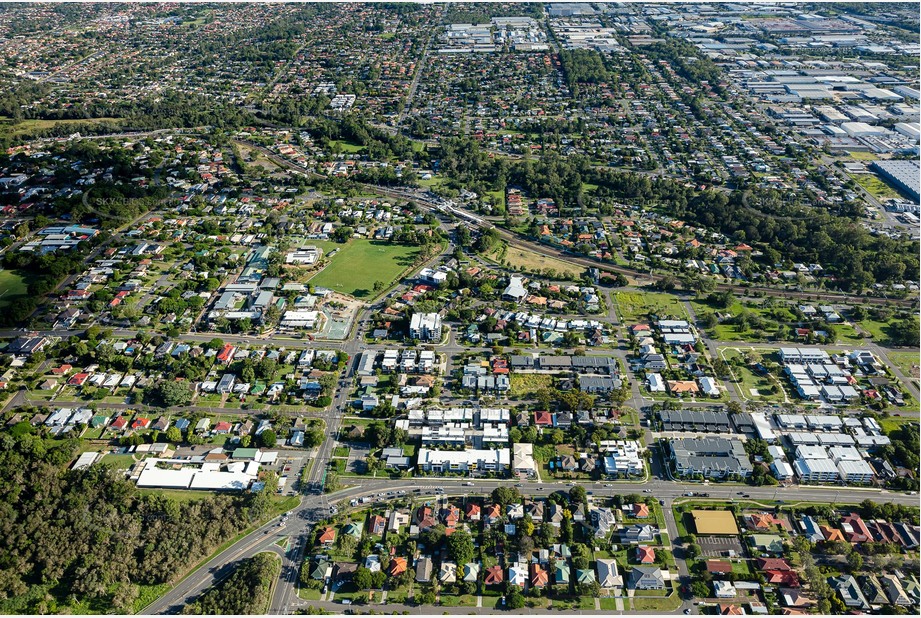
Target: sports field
x=12 y=284
x=360 y=263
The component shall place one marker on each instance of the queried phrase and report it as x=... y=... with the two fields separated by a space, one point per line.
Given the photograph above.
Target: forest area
x=782 y=225
x=81 y=541
x=246 y=591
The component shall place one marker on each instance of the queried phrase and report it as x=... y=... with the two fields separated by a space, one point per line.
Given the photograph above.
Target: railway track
x=517 y=241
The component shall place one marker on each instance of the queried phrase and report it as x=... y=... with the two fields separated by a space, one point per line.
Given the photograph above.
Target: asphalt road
x=314 y=508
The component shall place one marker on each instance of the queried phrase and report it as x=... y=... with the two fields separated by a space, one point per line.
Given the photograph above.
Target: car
x=662 y=502
x=647 y=491
x=687 y=611
x=746 y=496
x=522 y=485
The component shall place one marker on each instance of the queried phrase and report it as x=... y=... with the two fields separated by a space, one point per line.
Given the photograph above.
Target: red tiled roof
x=494 y=575
x=647 y=555
x=328 y=535
x=773 y=564
x=719 y=566
x=397 y=566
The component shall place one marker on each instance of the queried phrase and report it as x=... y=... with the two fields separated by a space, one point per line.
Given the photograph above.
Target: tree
x=580 y=555
x=174 y=435
x=566 y=530
x=362 y=578
x=577 y=495
x=460 y=547
x=170 y=393
x=343 y=234
x=505 y=495
x=700 y=589
x=546 y=535
x=514 y=599
x=854 y=561
x=313 y=437
x=268 y=438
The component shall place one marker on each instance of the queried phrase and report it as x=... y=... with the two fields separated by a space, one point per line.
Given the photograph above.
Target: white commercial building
x=488 y=460
x=763 y=427
x=304 y=255
x=300 y=319
x=182 y=474
x=857 y=471
x=425 y=327
x=781 y=470
x=816 y=470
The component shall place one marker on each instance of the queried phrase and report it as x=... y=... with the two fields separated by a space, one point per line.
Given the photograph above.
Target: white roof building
x=463 y=461
x=523 y=459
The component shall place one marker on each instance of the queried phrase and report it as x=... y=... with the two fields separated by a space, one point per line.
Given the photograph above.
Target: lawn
x=309 y=594
x=529 y=261
x=345 y=147
x=12 y=286
x=147 y=594
x=878 y=330
x=636 y=306
x=875 y=186
x=179 y=495
x=892 y=423
x=360 y=264
x=255 y=157
x=609 y=603
x=526 y=385
x=121 y=462
x=749 y=381
x=908 y=362
x=27 y=126
x=450 y=600
x=772 y=316
x=657 y=604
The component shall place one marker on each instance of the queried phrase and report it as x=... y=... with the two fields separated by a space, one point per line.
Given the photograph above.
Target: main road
x=314 y=508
